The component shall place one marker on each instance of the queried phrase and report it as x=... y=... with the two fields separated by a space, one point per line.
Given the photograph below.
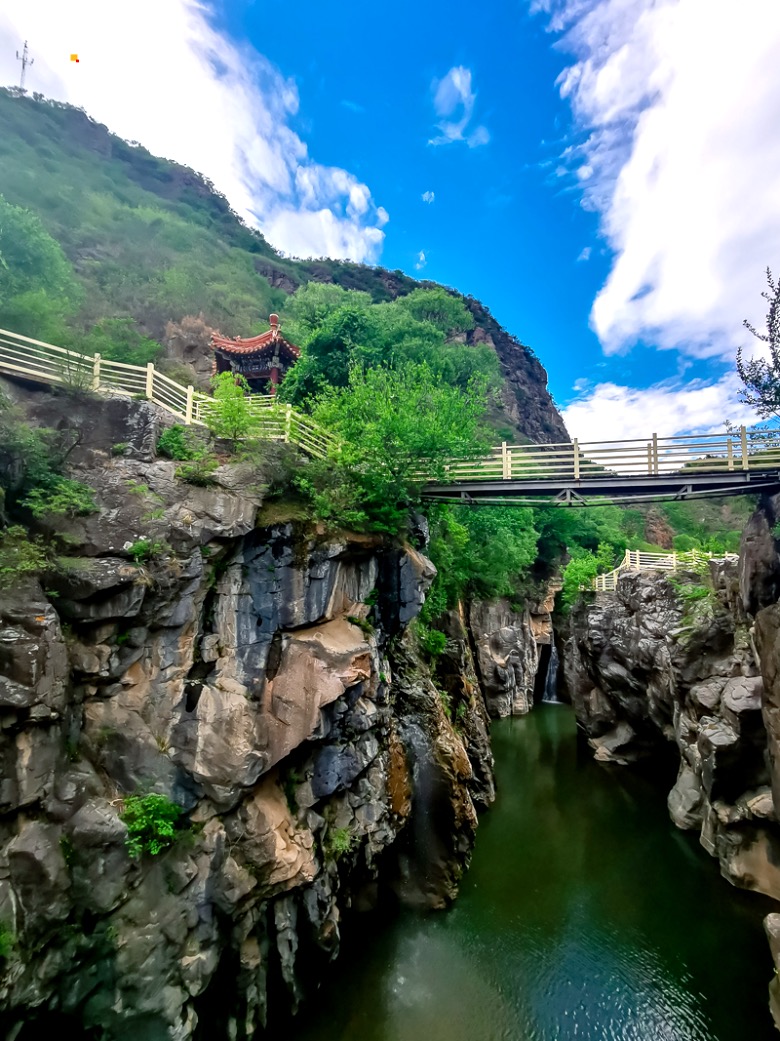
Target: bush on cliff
x=230 y=415
x=151 y=821
x=397 y=429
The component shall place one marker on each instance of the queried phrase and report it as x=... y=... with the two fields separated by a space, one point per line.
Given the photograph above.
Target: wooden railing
x=44 y=363
x=636 y=560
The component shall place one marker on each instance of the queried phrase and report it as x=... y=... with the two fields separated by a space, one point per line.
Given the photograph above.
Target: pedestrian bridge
x=740 y=461
x=735 y=462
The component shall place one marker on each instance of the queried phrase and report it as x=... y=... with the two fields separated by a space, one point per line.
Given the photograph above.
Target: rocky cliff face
x=262 y=679
x=692 y=669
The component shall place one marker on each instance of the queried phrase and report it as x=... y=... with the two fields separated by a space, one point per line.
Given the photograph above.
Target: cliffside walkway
x=566 y=474
x=29 y=359
x=635 y=560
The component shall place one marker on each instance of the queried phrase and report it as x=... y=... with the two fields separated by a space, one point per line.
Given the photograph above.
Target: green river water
x=585 y=916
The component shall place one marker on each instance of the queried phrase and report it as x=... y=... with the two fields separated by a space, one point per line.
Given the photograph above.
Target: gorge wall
x=690 y=670
x=262 y=676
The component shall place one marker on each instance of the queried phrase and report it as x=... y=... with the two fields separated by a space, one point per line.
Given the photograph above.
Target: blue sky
x=603 y=174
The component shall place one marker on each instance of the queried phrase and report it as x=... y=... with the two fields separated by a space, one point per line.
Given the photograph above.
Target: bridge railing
x=42 y=362
x=740 y=450
x=636 y=560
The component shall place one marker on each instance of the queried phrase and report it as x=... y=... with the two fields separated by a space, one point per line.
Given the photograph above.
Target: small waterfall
x=550 y=696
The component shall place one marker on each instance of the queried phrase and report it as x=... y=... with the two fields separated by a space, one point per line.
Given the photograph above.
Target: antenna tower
x=25 y=62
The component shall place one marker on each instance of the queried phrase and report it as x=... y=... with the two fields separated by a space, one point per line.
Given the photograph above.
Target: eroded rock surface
x=694 y=670
x=261 y=679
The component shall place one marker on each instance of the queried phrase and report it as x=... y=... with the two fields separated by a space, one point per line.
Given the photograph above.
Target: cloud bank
x=163 y=74
x=609 y=411
x=677 y=103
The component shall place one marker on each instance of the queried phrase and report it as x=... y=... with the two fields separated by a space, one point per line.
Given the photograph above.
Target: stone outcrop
x=659 y=668
x=692 y=670
x=507 y=643
x=261 y=678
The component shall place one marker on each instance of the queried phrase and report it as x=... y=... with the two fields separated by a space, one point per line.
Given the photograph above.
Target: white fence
x=44 y=363
x=635 y=560
x=740 y=450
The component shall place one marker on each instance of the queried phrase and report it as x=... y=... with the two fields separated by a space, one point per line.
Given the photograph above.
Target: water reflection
x=584 y=916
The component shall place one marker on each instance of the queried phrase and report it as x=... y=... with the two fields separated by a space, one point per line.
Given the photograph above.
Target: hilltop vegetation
x=102 y=245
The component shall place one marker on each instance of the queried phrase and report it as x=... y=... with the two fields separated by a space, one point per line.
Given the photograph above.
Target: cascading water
x=550 y=695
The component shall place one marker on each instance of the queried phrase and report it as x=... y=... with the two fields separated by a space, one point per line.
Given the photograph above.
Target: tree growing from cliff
x=761 y=376
x=230 y=415
x=394 y=425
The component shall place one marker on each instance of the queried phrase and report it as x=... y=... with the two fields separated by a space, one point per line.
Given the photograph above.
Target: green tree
x=761 y=376
x=442 y=309
x=397 y=429
x=230 y=415
x=311 y=305
x=38 y=290
x=582 y=569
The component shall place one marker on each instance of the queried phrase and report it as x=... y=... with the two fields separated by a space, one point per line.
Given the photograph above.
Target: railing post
x=655 y=454
x=649 y=458
x=150 y=380
x=504 y=462
x=674 y=561
x=730 y=453
x=96 y=372
x=188 y=406
x=576 y=446
x=743 y=441
x=288 y=423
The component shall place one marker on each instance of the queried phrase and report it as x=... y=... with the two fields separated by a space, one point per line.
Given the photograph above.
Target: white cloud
x=162 y=74
x=584 y=254
x=421 y=260
x=454 y=102
x=678 y=102
x=428 y=196
x=609 y=412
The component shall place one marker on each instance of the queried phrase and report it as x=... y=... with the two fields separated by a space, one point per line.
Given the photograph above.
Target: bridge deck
x=614 y=487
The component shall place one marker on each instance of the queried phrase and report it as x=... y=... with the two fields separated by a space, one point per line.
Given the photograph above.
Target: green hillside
x=104 y=247
x=148 y=241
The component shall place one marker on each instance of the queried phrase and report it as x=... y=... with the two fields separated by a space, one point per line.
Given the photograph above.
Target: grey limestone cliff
x=691 y=668
x=259 y=676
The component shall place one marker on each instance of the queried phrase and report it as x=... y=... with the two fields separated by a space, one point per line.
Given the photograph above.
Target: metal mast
x=25 y=62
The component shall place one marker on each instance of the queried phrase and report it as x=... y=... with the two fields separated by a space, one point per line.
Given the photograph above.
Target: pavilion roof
x=266 y=342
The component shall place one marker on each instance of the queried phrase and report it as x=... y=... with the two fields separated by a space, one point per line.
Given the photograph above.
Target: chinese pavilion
x=262 y=360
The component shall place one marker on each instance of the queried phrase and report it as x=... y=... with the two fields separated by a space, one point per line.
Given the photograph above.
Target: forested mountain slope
x=149 y=240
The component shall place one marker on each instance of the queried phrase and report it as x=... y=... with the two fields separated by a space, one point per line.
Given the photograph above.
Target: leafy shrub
x=229 y=415
x=61 y=496
x=20 y=555
x=178 y=442
x=151 y=823
x=362 y=623
x=146 y=549
x=119 y=339
x=200 y=472
x=339 y=842
x=431 y=641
